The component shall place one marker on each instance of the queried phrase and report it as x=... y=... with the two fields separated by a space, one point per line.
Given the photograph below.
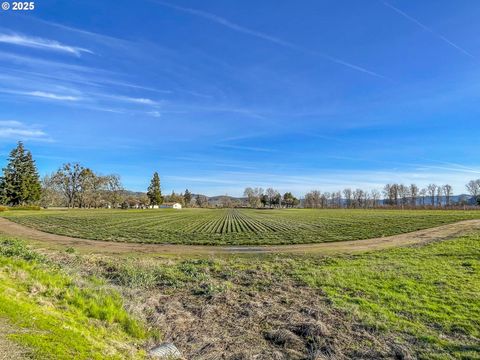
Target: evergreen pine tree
x=154 y=192
x=20 y=183
x=187 y=197
x=32 y=180
x=3 y=196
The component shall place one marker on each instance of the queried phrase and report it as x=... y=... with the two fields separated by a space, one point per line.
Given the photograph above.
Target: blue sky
x=220 y=95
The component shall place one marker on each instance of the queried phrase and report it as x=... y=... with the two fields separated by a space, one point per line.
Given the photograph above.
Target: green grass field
x=428 y=296
x=234 y=227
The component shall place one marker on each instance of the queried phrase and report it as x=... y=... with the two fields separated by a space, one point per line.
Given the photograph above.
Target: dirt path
x=96 y=246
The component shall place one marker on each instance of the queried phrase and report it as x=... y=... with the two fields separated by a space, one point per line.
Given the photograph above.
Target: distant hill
x=220 y=197
x=213 y=200
x=455 y=199
x=134 y=193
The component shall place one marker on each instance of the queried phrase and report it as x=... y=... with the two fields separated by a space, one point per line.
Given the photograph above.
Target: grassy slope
x=252 y=227
x=59 y=317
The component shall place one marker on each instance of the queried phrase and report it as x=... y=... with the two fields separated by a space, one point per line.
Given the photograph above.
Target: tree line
x=155 y=197
x=74 y=185
x=257 y=197
x=394 y=195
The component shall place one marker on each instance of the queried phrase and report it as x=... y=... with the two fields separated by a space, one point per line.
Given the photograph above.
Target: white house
x=171 y=205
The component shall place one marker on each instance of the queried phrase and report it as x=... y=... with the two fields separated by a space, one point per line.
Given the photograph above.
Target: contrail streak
x=260 y=35
x=430 y=30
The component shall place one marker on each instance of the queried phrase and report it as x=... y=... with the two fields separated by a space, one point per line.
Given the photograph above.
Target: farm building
x=171 y=205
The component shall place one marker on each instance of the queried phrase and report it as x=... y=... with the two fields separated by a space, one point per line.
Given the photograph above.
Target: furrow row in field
x=197 y=222
x=249 y=224
x=282 y=223
x=234 y=226
x=123 y=222
x=159 y=222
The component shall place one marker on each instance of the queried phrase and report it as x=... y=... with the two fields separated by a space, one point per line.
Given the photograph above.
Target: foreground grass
x=239 y=227
x=59 y=317
x=423 y=301
x=429 y=296
x=418 y=302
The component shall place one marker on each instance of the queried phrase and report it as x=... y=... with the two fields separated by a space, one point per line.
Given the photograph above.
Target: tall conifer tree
x=154 y=192
x=20 y=183
x=187 y=196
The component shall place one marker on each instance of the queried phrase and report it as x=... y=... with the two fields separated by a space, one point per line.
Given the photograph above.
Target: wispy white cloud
x=52 y=96
x=42 y=94
x=247 y=148
x=41 y=43
x=141 y=101
x=128 y=99
x=183 y=108
x=455 y=165
x=10 y=123
x=93 y=35
x=130 y=85
x=49 y=66
x=426 y=166
x=430 y=30
x=12 y=129
x=156 y=114
x=260 y=35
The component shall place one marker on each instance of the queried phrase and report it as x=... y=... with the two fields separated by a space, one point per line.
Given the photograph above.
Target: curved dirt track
x=98 y=246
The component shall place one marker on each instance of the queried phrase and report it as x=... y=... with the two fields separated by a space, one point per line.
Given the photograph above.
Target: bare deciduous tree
x=358 y=195
x=77 y=186
x=431 y=189
x=423 y=194
x=413 y=194
x=347 y=194
x=51 y=192
x=447 y=191
x=391 y=194
x=68 y=180
x=313 y=199
x=254 y=196
x=375 y=194
x=201 y=201
x=473 y=188
x=271 y=194
x=439 y=196
x=114 y=190
x=403 y=193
